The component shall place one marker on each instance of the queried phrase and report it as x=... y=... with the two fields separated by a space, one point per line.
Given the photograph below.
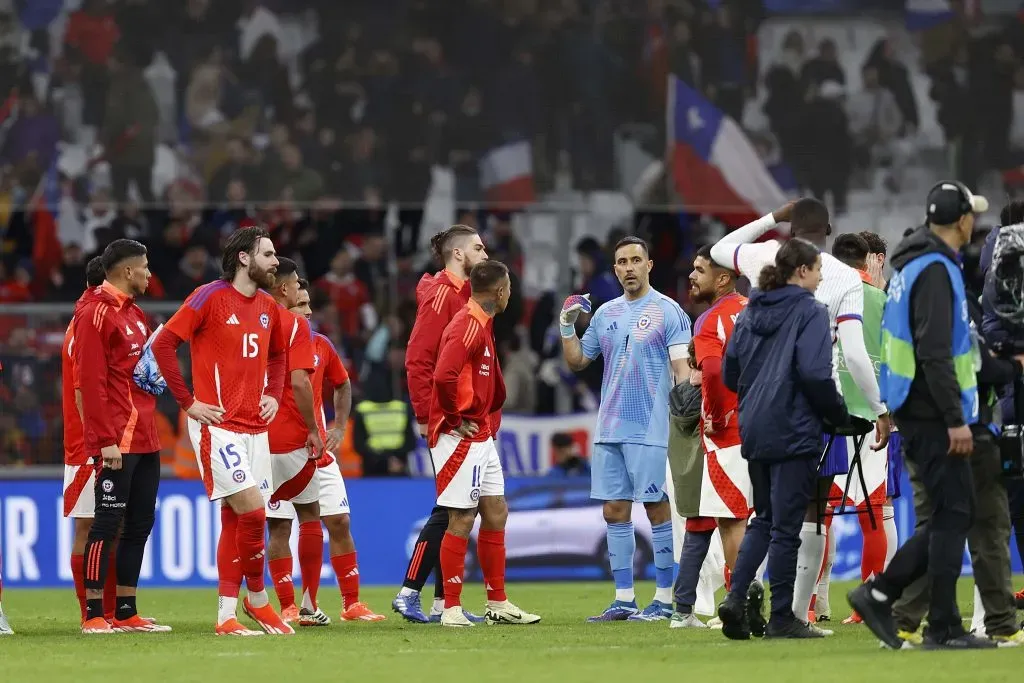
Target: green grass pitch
x=48 y=647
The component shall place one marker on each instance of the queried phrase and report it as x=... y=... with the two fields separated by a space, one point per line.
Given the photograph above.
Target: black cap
x=950 y=200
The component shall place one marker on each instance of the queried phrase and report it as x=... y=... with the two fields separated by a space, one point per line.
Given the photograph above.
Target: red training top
x=713 y=331
x=74 y=436
x=327 y=365
x=289 y=431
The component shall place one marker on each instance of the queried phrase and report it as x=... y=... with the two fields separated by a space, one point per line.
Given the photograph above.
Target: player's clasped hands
x=268 y=408
x=204 y=413
x=467 y=428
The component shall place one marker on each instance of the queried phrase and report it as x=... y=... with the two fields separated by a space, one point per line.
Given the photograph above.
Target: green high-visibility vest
x=386 y=424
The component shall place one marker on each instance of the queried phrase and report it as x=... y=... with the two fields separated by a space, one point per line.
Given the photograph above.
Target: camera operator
x=928 y=380
x=988 y=539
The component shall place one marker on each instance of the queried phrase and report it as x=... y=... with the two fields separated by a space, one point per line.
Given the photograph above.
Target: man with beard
x=726 y=493
x=238 y=366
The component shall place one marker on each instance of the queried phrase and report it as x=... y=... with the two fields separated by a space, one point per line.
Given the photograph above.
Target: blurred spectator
x=519 y=369
x=824 y=66
x=239 y=166
x=827 y=140
x=350 y=296
x=596 y=271
x=875 y=124
x=302 y=184
x=67 y=283
x=130 y=127
x=382 y=432
x=371 y=268
x=15 y=288
x=567 y=460
x=97 y=217
x=196 y=268
x=205 y=91
x=892 y=75
x=32 y=140
x=684 y=59
x=725 y=61
x=786 y=92
x=467 y=138
x=91 y=35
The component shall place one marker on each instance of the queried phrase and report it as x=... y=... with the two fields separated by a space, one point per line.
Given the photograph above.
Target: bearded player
x=465 y=414
x=726 y=492
x=643 y=336
x=842 y=293
x=333 y=502
x=238 y=367
x=439 y=298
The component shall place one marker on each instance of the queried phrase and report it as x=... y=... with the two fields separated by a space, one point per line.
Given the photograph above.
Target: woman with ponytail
x=779 y=362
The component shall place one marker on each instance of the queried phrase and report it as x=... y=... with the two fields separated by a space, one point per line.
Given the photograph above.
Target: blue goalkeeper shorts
x=628 y=471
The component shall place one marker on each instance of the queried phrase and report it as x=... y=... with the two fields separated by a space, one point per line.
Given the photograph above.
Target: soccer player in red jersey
x=119 y=426
x=79 y=471
x=467 y=399
x=238 y=367
x=439 y=298
x=334 y=507
x=726 y=493
x=295 y=444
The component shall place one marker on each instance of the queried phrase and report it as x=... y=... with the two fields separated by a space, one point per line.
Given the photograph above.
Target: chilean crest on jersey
x=316 y=360
x=264 y=320
x=643 y=322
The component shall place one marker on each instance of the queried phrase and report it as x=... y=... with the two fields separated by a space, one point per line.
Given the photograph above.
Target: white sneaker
x=823 y=631
x=455 y=617
x=506 y=613
x=5 y=627
x=714 y=623
x=680 y=620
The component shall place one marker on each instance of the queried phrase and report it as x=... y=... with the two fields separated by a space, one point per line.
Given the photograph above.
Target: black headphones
x=964 y=195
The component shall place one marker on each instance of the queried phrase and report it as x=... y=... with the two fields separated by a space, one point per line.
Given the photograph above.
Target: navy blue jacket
x=779 y=362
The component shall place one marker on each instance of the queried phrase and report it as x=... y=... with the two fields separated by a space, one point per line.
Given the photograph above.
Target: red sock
x=249 y=539
x=453 y=566
x=110 y=588
x=311 y=557
x=347 y=570
x=491 y=547
x=875 y=544
x=78 y=572
x=229 y=569
x=727 y=575
x=281 y=575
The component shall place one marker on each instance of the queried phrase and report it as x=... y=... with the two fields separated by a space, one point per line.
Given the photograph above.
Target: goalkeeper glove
x=571 y=310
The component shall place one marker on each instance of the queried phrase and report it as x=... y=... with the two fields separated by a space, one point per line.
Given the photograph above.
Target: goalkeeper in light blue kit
x=643 y=336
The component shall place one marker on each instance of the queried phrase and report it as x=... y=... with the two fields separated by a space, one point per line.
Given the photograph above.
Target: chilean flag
x=715 y=169
x=506 y=175
x=925 y=14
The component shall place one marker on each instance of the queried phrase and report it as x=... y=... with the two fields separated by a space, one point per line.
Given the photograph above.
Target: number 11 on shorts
x=476 y=476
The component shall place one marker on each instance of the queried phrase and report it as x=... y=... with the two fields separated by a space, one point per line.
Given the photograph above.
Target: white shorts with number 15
x=230 y=462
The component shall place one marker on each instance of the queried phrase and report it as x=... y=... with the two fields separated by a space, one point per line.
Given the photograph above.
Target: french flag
x=506 y=175
x=922 y=15
x=715 y=169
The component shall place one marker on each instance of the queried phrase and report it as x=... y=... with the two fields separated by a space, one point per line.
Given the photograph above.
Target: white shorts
x=230 y=462
x=466 y=470
x=725 y=489
x=284 y=466
x=333 y=496
x=876 y=475
x=80 y=491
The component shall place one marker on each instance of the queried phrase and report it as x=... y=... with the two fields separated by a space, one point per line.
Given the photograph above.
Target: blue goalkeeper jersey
x=634 y=337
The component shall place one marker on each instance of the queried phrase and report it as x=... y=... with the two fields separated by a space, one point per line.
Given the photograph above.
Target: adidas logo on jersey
x=128 y=330
x=233 y=320
x=487 y=352
x=611 y=328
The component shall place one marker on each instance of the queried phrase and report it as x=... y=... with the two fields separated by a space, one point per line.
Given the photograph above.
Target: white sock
x=307 y=602
x=625 y=594
x=978 y=621
x=826 y=575
x=227 y=608
x=892 y=541
x=438 y=606
x=663 y=595
x=259 y=598
x=406 y=591
x=808 y=564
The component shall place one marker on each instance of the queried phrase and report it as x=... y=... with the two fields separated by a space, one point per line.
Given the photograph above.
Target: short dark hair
x=1012 y=213
x=486 y=275
x=286 y=266
x=561 y=440
x=119 y=251
x=303 y=282
x=809 y=218
x=94 y=273
x=241 y=240
x=876 y=243
x=705 y=253
x=443 y=243
x=851 y=249
x=632 y=239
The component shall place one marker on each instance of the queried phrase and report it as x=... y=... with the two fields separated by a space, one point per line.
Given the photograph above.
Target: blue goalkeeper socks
x=621 y=548
x=664 y=560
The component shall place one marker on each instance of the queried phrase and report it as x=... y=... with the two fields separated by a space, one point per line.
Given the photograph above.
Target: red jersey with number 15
x=711 y=335
x=231 y=338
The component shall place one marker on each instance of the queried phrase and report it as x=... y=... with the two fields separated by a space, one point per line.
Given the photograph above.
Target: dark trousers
x=121 y=177
x=695 y=548
x=126 y=495
x=782 y=491
x=1015 y=490
x=936 y=549
x=988 y=541
x=427 y=554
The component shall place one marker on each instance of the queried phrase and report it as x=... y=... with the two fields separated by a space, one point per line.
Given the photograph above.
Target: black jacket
x=779 y=362
x=934 y=393
x=995 y=374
